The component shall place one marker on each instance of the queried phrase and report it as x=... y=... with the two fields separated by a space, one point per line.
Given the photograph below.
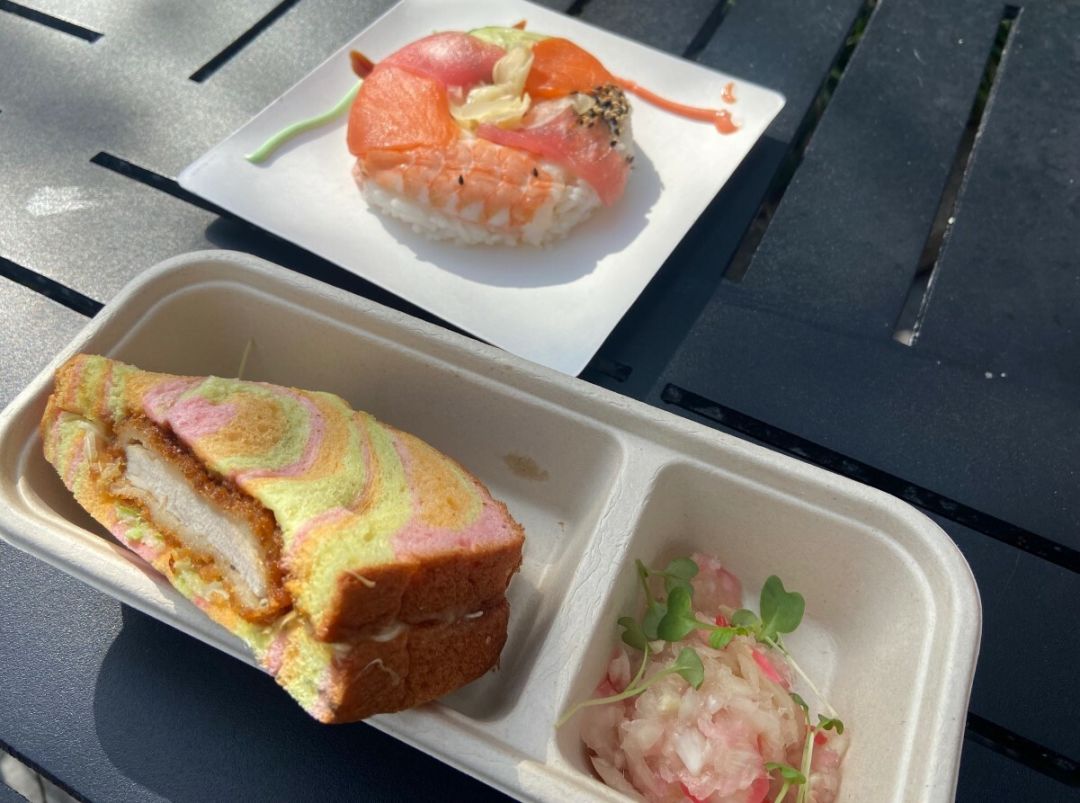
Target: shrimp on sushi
x=498 y=136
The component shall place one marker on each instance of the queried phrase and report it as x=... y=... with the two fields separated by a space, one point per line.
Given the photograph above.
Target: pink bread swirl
x=325 y=539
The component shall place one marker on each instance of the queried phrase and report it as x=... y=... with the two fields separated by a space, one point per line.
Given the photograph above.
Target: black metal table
x=889 y=287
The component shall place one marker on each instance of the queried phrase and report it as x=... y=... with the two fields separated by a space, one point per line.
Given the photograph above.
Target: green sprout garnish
x=830 y=724
x=678 y=574
x=687 y=664
x=721 y=637
x=672 y=618
x=633 y=635
x=781 y=610
x=807 y=756
x=789 y=777
x=679 y=621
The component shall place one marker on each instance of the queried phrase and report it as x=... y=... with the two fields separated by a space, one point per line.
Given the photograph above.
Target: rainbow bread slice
x=366 y=570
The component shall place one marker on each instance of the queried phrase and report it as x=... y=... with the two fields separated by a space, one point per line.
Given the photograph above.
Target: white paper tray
x=893 y=615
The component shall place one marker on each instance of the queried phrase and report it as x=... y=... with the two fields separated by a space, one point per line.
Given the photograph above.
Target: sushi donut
x=497 y=136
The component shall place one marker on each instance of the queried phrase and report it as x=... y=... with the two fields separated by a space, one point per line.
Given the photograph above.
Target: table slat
x=786 y=45
x=782 y=44
x=34 y=329
x=1022 y=660
x=1007 y=290
x=295 y=45
x=651 y=22
x=844 y=244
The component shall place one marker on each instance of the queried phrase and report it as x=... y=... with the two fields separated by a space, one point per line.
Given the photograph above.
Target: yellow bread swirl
x=376 y=541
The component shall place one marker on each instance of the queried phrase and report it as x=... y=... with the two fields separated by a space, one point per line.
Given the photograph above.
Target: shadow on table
x=190 y=723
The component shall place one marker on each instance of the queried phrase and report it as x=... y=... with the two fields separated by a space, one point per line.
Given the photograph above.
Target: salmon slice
x=396 y=110
x=561 y=68
x=452 y=58
x=587 y=150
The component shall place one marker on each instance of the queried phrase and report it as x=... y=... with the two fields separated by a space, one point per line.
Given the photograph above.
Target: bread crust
x=466 y=580
x=421 y=664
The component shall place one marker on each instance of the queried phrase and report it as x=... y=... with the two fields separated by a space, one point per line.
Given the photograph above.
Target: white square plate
x=553 y=306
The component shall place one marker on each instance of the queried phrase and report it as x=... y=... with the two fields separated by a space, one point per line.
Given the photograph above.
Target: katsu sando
x=366 y=570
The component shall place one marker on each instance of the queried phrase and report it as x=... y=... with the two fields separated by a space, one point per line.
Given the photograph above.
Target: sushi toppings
x=606 y=104
x=397 y=109
x=453 y=59
x=502 y=102
x=707 y=712
x=561 y=68
x=553 y=121
x=449 y=137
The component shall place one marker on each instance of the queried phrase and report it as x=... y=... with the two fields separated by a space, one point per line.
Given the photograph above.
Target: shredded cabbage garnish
x=507 y=38
x=92 y=432
x=503 y=102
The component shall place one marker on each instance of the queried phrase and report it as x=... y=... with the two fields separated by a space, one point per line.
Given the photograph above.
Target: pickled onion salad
x=697 y=701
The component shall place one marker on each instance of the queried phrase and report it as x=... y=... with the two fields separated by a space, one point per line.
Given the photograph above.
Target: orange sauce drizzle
x=520 y=25
x=729 y=93
x=720 y=118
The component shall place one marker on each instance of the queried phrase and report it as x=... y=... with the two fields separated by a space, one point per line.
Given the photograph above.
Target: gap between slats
x=57 y=24
x=708 y=29
x=913 y=313
x=152 y=179
x=61 y=294
x=744 y=254
x=1031 y=754
x=242 y=41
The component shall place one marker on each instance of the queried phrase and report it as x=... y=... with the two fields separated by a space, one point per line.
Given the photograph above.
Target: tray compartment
x=854 y=580
x=554 y=469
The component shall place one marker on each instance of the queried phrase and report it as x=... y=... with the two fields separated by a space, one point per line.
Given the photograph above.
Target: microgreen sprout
x=654 y=608
x=788 y=776
x=687 y=664
x=633 y=635
x=830 y=724
x=807 y=756
x=781 y=610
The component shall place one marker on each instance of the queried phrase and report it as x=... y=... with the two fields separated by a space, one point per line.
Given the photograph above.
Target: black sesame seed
x=536 y=173
x=461 y=180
